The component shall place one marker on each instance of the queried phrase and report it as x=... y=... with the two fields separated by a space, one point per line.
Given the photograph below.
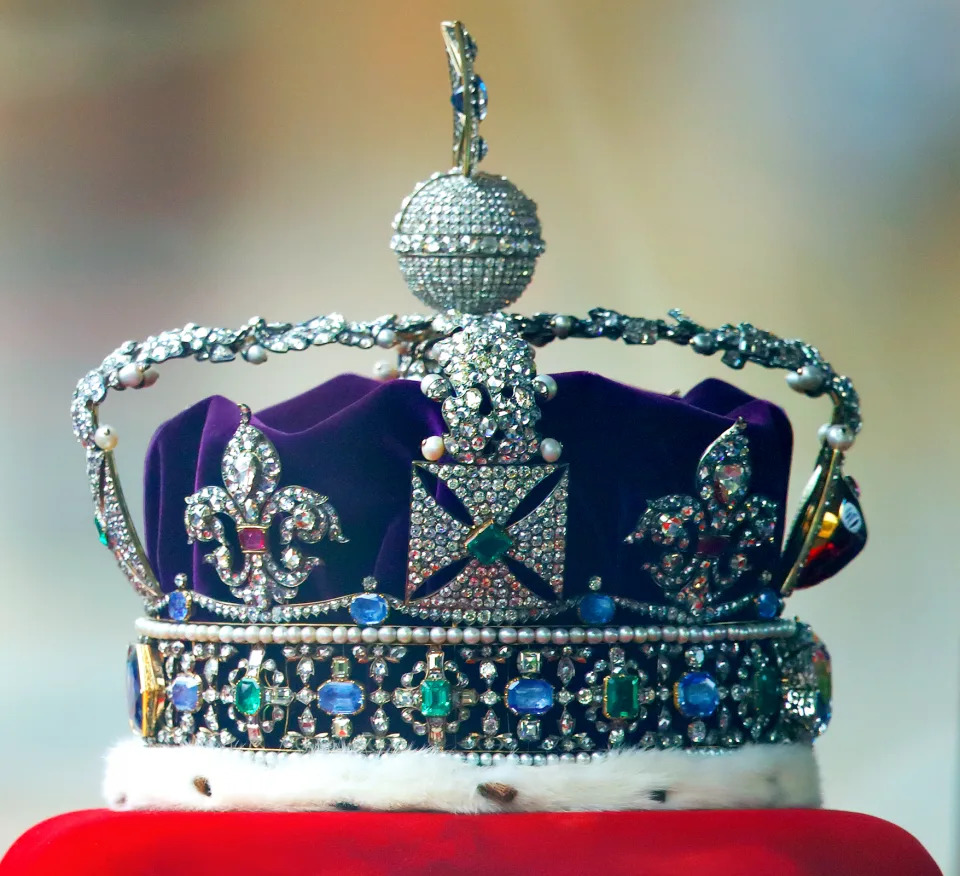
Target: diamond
x=597 y=608
x=491 y=723
x=528 y=729
x=368 y=609
x=728 y=482
x=621 y=696
x=307 y=723
x=435 y=699
x=340 y=697
x=247 y=696
x=185 y=693
x=696 y=695
x=488 y=542
x=565 y=670
x=528 y=662
x=342 y=727
x=529 y=696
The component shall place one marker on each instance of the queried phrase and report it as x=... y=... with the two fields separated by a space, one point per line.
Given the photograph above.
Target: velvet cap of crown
x=442 y=589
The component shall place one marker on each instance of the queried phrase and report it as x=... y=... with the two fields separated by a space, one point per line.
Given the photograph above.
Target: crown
x=448 y=570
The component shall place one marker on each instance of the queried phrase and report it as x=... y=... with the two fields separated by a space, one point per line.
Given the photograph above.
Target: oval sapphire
x=597 y=608
x=696 y=695
x=134 y=690
x=185 y=693
x=369 y=608
x=340 y=697
x=768 y=604
x=178 y=606
x=529 y=696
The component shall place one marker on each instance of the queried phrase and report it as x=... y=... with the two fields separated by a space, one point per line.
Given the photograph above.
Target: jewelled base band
x=576 y=696
x=195 y=777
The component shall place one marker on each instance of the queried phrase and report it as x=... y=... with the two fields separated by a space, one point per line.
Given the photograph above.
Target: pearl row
x=273 y=756
x=341 y=635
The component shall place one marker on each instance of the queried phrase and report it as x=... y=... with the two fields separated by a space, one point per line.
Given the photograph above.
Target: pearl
x=669 y=634
x=840 y=437
x=255 y=354
x=370 y=635
x=432 y=448
x=550 y=449
x=324 y=635
x=308 y=635
x=525 y=636
x=488 y=636
x=508 y=636
x=340 y=635
x=640 y=634
x=808 y=379
x=251 y=635
x=131 y=375
x=105 y=437
x=386 y=338
x=683 y=635
x=611 y=636
x=404 y=635
x=438 y=635
x=433 y=386
x=471 y=636
x=226 y=634
x=385 y=371
x=594 y=637
x=265 y=635
x=704 y=344
x=354 y=635
x=577 y=635
x=387 y=635
x=454 y=636
x=562 y=325
x=150 y=377
x=626 y=634
x=279 y=634
x=547 y=385
x=421 y=635
x=542 y=635
x=560 y=637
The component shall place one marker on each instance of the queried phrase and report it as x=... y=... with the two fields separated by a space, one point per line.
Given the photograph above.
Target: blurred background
x=795 y=165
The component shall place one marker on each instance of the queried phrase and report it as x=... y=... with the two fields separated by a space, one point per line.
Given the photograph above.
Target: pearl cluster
x=272 y=757
x=342 y=635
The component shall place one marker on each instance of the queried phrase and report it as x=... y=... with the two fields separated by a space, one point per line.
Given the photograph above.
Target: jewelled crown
x=468 y=555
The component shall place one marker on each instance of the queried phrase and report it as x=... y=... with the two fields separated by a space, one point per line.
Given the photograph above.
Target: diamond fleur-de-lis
x=251 y=470
x=709 y=537
x=491 y=547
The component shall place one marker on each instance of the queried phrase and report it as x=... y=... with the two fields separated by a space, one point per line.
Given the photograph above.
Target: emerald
x=766 y=691
x=488 y=542
x=621 y=696
x=247 y=696
x=435 y=701
x=101 y=532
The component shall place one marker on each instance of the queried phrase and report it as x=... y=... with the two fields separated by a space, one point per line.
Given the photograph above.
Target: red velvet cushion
x=781 y=842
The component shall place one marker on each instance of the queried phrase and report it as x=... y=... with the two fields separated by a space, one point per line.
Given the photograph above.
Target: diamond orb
x=467 y=243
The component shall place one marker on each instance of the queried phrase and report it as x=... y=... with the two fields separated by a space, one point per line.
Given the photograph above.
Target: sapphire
x=185 y=693
x=340 y=697
x=768 y=604
x=695 y=695
x=597 y=608
x=134 y=690
x=368 y=608
x=529 y=696
x=178 y=606
x=480 y=99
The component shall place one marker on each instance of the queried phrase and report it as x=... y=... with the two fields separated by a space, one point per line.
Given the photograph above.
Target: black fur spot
x=659 y=796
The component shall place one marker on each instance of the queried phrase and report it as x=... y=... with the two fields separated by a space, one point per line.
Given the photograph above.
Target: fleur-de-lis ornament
x=709 y=537
x=251 y=471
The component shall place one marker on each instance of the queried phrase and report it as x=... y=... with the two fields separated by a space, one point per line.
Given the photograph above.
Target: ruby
x=253 y=539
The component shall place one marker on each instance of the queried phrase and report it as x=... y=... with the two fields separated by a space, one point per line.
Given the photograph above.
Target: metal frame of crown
x=268 y=671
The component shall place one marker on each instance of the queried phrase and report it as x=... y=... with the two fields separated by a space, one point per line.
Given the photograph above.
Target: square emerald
x=488 y=542
x=435 y=699
x=621 y=696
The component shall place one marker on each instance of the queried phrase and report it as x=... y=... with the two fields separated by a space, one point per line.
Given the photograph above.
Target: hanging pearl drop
x=130 y=375
x=255 y=354
x=432 y=448
x=548 y=385
x=840 y=437
x=386 y=338
x=550 y=449
x=105 y=437
x=385 y=371
x=150 y=377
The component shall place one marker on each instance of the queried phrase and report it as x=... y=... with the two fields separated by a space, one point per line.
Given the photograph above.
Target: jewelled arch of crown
x=491 y=554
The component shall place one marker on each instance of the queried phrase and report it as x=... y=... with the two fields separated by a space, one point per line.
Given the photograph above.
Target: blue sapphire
x=695 y=695
x=185 y=693
x=768 y=604
x=480 y=104
x=134 y=690
x=529 y=696
x=368 y=608
x=178 y=606
x=597 y=608
x=340 y=697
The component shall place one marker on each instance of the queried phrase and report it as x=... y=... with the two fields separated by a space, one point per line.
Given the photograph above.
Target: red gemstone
x=253 y=539
x=711 y=545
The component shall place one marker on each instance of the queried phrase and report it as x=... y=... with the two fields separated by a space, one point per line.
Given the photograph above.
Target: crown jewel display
x=497 y=627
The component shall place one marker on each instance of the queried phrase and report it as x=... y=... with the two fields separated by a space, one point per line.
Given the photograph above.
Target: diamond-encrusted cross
x=489 y=536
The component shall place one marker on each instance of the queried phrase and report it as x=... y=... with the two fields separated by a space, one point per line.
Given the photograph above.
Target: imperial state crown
x=438 y=590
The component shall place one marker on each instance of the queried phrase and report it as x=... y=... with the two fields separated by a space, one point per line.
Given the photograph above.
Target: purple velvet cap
x=353 y=439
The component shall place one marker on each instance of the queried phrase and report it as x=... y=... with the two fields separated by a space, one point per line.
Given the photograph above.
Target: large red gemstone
x=253 y=539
